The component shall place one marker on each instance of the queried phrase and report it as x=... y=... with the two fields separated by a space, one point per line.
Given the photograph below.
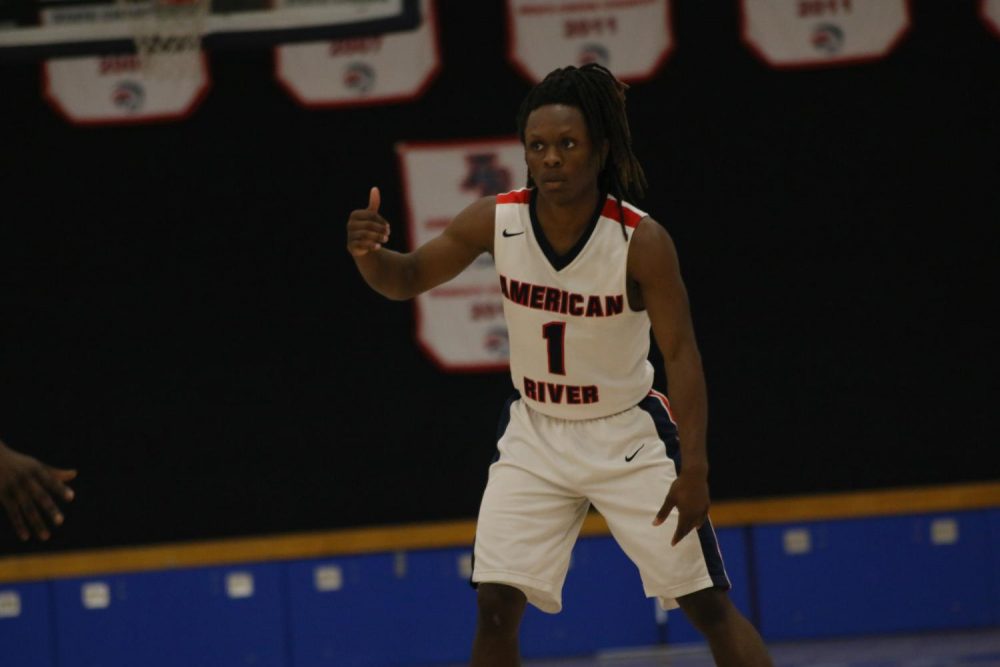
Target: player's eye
x=569 y=143
x=535 y=145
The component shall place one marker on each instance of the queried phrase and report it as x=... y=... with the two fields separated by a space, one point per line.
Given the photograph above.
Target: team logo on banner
x=632 y=38
x=115 y=89
x=364 y=70
x=460 y=324
x=813 y=33
x=990 y=11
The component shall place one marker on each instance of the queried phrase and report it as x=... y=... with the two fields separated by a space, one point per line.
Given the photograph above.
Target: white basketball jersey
x=577 y=351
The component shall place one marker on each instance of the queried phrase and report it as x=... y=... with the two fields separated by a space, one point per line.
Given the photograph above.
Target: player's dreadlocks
x=600 y=96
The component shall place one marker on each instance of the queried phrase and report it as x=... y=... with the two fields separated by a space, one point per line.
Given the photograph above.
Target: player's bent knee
x=500 y=608
x=707 y=609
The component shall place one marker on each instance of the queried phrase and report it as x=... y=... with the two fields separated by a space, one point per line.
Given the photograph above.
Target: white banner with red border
x=459 y=325
x=117 y=90
x=820 y=33
x=632 y=38
x=989 y=10
x=380 y=69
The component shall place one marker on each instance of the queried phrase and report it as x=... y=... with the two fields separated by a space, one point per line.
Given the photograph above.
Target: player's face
x=562 y=161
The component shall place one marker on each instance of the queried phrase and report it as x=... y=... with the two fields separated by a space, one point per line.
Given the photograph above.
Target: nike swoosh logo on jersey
x=508 y=235
x=629 y=458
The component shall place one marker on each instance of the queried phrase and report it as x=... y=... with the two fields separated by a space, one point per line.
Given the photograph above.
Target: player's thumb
x=374 y=200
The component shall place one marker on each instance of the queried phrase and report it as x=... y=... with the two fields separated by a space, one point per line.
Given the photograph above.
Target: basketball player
x=584 y=275
x=28 y=488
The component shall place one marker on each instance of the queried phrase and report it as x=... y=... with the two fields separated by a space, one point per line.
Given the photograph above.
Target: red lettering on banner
x=537 y=9
x=485 y=311
x=590 y=27
x=571 y=7
x=611 y=4
x=354 y=46
x=809 y=8
x=119 y=64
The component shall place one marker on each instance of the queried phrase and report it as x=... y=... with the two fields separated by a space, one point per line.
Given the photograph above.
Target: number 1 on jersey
x=555 y=335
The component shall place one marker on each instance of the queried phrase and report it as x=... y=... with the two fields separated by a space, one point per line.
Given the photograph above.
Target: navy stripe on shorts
x=656 y=406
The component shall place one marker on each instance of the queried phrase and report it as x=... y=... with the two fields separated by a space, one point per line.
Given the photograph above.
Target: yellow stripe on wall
x=461 y=533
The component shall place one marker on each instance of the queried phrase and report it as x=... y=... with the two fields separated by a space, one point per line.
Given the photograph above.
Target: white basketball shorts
x=548 y=473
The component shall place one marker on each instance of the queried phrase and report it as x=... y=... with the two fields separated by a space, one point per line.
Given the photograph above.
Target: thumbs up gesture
x=366 y=229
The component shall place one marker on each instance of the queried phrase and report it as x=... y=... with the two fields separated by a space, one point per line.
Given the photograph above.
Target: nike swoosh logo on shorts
x=507 y=235
x=629 y=458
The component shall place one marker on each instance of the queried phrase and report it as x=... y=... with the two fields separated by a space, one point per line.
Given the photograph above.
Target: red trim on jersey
x=610 y=210
x=666 y=403
x=522 y=196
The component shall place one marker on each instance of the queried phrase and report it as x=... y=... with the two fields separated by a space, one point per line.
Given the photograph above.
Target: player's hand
x=689 y=494
x=366 y=229
x=28 y=491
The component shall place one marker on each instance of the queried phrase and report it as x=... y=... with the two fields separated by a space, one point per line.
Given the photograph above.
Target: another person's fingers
x=55 y=480
x=30 y=512
x=14 y=514
x=40 y=492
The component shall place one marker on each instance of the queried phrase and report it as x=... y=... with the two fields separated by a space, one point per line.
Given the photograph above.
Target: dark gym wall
x=181 y=323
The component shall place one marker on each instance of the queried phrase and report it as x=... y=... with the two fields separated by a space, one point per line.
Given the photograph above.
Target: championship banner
x=632 y=38
x=460 y=324
x=124 y=88
x=817 y=33
x=381 y=69
x=990 y=11
x=116 y=89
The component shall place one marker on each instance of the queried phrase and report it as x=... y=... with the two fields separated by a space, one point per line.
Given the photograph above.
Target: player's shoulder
x=623 y=212
x=479 y=212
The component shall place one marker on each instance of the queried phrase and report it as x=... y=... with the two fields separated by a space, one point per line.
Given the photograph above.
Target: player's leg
x=631 y=477
x=733 y=639
x=528 y=522
x=500 y=610
x=631 y=458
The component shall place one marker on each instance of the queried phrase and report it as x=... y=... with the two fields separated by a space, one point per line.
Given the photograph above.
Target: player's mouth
x=553 y=182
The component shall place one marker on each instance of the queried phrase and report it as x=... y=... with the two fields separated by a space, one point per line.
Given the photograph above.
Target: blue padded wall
x=603 y=606
x=25 y=625
x=733 y=544
x=407 y=608
x=436 y=613
x=344 y=612
x=994 y=561
x=870 y=576
x=195 y=617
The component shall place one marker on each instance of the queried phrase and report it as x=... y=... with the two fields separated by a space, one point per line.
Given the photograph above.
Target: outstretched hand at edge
x=29 y=490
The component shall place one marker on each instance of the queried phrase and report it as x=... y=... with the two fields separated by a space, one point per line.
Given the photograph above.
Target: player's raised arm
x=404 y=275
x=653 y=265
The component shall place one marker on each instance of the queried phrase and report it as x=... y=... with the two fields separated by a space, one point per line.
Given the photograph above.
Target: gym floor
x=959 y=649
